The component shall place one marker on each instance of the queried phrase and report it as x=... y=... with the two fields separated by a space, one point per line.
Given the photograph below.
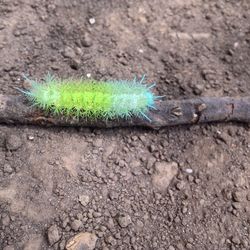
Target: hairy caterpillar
x=92 y=99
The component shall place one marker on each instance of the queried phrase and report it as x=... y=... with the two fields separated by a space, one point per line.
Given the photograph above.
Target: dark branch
x=16 y=110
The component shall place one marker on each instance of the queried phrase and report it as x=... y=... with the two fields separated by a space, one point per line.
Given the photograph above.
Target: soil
x=177 y=188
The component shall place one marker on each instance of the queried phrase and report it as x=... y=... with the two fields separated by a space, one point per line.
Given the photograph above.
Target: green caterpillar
x=92 y=99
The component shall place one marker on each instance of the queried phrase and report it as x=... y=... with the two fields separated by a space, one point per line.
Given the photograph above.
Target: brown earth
x=176 y=188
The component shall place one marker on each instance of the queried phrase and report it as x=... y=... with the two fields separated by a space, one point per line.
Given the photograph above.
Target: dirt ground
x=176 y=188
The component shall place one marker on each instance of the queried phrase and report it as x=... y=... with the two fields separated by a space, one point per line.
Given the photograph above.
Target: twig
x=17 y=110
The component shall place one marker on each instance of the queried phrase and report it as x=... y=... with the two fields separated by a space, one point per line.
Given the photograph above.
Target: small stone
x=189 y=170
x=180 y=185
x=84 y=199
x=135 y=164
x=113 y=195
x=184 y=210
x=98 y=173
x=236 y=205
x=9 y=248
x=152 y=43
x=198 y=89
x=69 y=52
x=98 y=143
x=110 y=240
x=86 y=40
x=53 y=235
x=82 y=241
x=164 y=173
x=236 y=240
x=180 y=246
x=222 y=136
x=2 y=139
x=92 y=20
x=152 y=148
x=97 y=214
x=171 y=248
x=33 y=243
x=13 y=142
x=190 y=178
x=124 y=220
x=76 y=225
x=7 y=169
x=6 y=220
x=62 y=245
x=31 y=137
x=238 y=196
x=248 y=197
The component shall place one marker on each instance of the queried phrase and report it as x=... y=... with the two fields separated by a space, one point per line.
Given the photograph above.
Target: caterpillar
x=88 y=98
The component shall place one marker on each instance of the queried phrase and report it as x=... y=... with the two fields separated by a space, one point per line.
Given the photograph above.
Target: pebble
x=164 y=173
x=180 y=185
x=236 y=240
x=92 y=20
x=189 y=170
x=7 y=169
x=97 y=214
x=135 y=164
x=86 y=40
x=31 y=137
x=13 y=142
x=84 y=240
x=113 y=195
x=62 y=245
x=98 y=142
x=76 y=225
x=98 y=173
x=33 y=243
x=238 y=196
x=110 y=240
x=9 y=248
x=69 y=52
x=171 y=248
x=152 y=148
x=84 y=199
x=2 y=26
x=6 y=220
x=198 y=89
x=124 y=220
x=75 y=64
x=53 y=235
x=190 y=178
x=2 y=139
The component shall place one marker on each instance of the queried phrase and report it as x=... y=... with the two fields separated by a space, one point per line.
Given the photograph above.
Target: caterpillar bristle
x=151 y=86
x=152 y=107
x=142 y=79
x=145 y=116
x=159 y=97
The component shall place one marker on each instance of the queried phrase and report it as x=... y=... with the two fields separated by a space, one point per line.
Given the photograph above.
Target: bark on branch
x=17 y=110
